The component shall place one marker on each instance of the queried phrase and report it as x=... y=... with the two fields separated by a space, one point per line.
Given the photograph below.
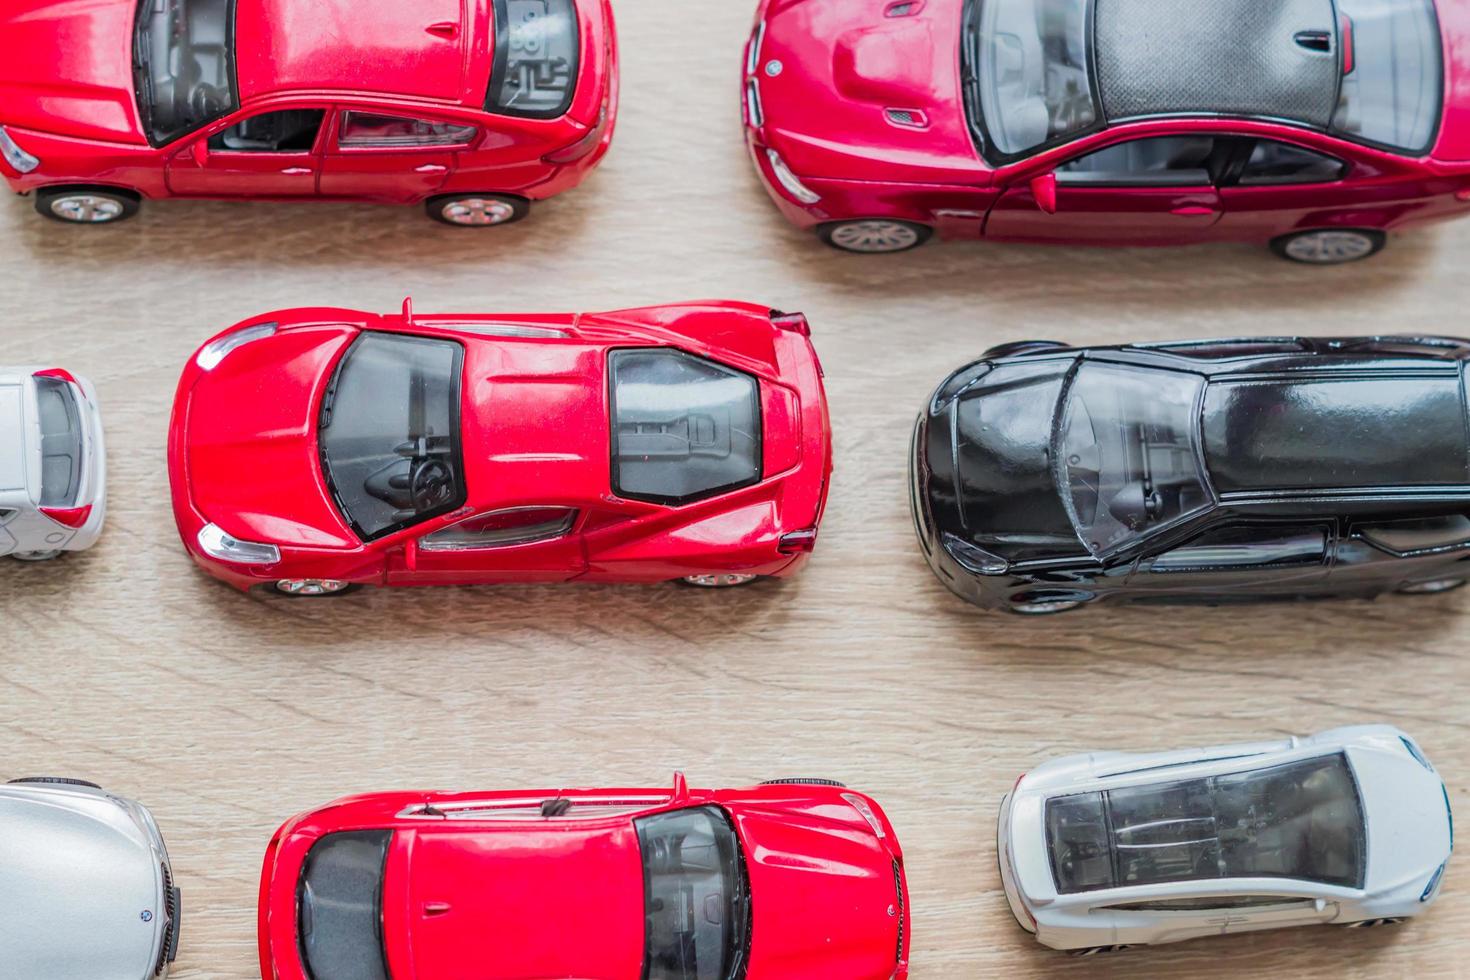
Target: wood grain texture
x=228 y=714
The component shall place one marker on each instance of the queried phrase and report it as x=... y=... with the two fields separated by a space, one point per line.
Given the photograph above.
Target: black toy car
x=1045 y=477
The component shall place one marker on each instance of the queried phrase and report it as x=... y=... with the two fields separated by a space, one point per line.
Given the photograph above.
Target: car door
x=273 y=154
x=521 y=544
x=1383 y=553
x=1251 y=913
x=1275 y=187
x=391 y=156
x=1242 y=560
x=1158 y=190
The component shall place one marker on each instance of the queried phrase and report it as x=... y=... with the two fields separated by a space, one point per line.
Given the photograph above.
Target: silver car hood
x=78 y=876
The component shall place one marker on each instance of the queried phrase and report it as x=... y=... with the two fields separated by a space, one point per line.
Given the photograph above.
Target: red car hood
x=522 y=904
x=251 y=444
x=1454 y=137
x=844 y=65
x=66 y=68
x=831 y=916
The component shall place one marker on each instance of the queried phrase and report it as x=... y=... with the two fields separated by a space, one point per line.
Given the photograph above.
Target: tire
x=718 y=580
x=804 y=782
x=1373 y=923
x=1098 y=950
x=1022 y=347
x=87 y=205
x=877 y=236
x=331 y=589
x=35 y=555
x=1043 y=604
x=1330 y=246
x=53 y=781
x=478 y=210
x=1436 y=587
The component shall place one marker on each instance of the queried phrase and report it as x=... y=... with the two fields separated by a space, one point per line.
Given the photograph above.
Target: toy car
x=1315 y=125
x=315 y=450
x=53 y=494
x=88 y=888
x=475 y=108
x=1104 y=851
x=1045 y=477
x=792 y=878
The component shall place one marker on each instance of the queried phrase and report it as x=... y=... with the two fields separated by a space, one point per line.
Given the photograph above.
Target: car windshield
x=183 y=65
x=1130 y=458
x=1302 y=820
x=389 y=432
x=340 y=906
x=1026 y=72
x=696 y=901
x=1393 y=86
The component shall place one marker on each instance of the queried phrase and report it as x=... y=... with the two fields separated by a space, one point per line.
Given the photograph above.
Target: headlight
x=217 y=350
x=217 y=544
x=1433 y=885
x=861 y=806
x=14 y=155
x=535 y=59
x=789 y=181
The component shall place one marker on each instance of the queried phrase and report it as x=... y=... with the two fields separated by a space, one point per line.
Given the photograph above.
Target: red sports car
x=1315 y=125
x=315 y=450
x=791 y=879
x=477 y=107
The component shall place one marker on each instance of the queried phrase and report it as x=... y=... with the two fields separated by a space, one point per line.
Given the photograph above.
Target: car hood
x=824 y=897
x=518 y=904
x=67 y=68
x=1407 y=817
x=843 y=65
x=77 y=876
x=252 y=415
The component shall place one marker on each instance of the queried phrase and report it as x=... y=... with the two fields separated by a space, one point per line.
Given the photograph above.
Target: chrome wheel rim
x=723 y=581
x=478 y=212
x=1045 y=608
x=1433 y=588
x=87 y=209
x=310 y=586
x=874 y=237
x=1330 y=247
x=35 y=555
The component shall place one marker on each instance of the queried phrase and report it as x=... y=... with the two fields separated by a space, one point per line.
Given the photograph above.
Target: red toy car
x=315 y=450
x=1315 y=125
x=797 y=878
x=477 y=107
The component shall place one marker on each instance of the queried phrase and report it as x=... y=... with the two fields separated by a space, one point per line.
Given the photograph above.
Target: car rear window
x=183 y=65
x=536 y=51
x=340 y=906
x=61 y=443
x=1393 y=89
x=1302 y=820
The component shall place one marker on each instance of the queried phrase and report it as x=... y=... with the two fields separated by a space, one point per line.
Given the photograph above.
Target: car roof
x=1225 y=57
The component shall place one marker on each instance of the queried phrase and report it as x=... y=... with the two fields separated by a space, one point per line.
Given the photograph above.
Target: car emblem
x=147 y=916
x=774 y=68
x=892 y=910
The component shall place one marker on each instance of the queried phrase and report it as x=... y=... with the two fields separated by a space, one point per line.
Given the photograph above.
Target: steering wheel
x=431 y=485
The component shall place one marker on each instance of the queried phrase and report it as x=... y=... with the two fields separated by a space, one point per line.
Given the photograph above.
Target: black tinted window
x=1422 y=534
x=1163 y=161
x=684 y=428
x=341 y=906
x=696 y=902
x=287 y=131
x=183 y=65
x=1246 y=547
x=61 y=443
x=1282 y=163
x=503 y=529
x=1210 y=904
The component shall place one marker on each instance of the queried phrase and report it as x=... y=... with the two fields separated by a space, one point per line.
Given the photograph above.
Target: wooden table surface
x=228 y=714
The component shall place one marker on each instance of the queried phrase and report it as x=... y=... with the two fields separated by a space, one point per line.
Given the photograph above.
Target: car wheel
x=1372 y=923
x=478 y=210
x=53 y=781
x=721 y=580
x=1041 y=604
x=1095 y=950
x=35 y=555
x=88 y=205
x=804 y=782
x=1437 y=587
x=1330 y=246
x=875 y=236
x=1022 y=347
x=312 y=588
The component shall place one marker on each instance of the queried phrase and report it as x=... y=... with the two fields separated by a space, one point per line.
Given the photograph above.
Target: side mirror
x=200 y=152
x=411 y=554
x=1044 y=190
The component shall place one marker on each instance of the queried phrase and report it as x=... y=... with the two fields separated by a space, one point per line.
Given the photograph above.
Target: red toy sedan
x=798 y=878
x=477 y=107
x=315 y=450
x=1315 y=125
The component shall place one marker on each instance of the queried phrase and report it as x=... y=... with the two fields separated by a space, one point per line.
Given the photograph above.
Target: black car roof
x=1226 y=57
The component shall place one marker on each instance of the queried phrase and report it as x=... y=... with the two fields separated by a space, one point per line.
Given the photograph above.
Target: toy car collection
x=1045 y=477
x=53 y=494
x=1318 y=127
x=790 y=878
x=476 y=108
x=88 y=886
x=1351 y=828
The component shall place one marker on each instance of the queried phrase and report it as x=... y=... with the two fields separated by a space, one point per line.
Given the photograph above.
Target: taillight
x=583 y=146
x=72 y=517
x=795 y=322
x=799 y=542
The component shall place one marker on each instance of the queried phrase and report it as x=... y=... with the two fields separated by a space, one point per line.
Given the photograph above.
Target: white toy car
x=52 y=464
x=1105 y=851
x=89 y=892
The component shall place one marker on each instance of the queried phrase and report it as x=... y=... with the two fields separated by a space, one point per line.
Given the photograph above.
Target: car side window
x=1420 y=534
x=1159 y=161
x=284 y=131
x=1213 y=903
x=1243 y=547
x=502 y=529
x=376 y=131
x=1281 y=163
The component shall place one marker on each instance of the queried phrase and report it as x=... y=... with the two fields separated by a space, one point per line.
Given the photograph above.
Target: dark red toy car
x=1315 y=125
x=796 y=878
x=315 y=450
x=477 y=107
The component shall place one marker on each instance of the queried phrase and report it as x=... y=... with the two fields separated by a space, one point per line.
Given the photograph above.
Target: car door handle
x=1194 y=211
x=297 y=171
x=431 y=168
